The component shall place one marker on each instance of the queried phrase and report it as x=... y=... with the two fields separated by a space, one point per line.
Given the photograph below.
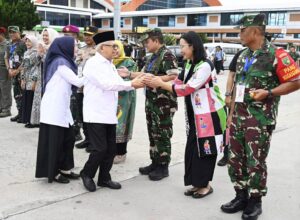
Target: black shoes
x=88 y=182
x=146 y=170
x=223 y=161
x=237 y=204
x=253 y=209
x=160 y=172
x=15 y=118
x=82 y=144
x=72 y=175
x=61 y=179
x=110 y=184
x=31 y=126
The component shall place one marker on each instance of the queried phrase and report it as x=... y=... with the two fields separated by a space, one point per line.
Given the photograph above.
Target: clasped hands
x=142 y=80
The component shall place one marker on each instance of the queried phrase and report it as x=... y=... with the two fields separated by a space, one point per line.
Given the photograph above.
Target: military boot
x=253 y=209
x=146 y=170
x=223 y=161
x=160 y=172
x=238 y=203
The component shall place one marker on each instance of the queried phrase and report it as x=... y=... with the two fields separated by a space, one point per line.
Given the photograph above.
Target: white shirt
x=55 y=104
x=101 y=88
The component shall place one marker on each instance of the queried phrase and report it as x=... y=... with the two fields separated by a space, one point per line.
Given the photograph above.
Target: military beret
x=13 y=29
x=2 y=30
x=103 y=36
x=155 y=32
x=91 y=30
x=252 y=21
x=71 y=29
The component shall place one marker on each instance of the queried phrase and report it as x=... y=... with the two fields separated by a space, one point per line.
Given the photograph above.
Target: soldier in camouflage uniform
x=83 y=55
x=263 y=73
x=160 y=105
x=14 y=57
x=293 y=53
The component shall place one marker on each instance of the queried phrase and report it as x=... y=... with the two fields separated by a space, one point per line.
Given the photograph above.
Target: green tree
x=21 y=13
x=169 y=39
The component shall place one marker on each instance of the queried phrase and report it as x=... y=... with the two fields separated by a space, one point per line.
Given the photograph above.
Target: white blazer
x=101 y=88
x=55 y=104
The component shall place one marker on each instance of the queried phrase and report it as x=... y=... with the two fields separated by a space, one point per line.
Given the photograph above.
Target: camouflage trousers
x=17 y=92
x=248 y=150
x=160 y=131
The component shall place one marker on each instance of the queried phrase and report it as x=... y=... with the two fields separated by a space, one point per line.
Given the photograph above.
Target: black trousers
x=121 y=148
x=55 y=150
x=102 y=139
x=27 y=100
x=219 y=66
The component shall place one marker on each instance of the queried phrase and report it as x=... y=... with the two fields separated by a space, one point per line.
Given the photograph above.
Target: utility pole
x=117 y=18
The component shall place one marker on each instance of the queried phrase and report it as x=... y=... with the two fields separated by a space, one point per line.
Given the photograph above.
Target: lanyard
x=247 y=66
x=153 y=58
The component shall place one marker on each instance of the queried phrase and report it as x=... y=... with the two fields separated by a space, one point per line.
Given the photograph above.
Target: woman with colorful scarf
x=205 y=112
x=126 y=106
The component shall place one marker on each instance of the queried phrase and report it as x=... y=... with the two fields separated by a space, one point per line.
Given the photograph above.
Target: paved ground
x=24 y=197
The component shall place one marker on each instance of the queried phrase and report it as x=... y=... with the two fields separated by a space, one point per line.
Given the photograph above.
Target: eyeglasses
x=183 y=45
x=113 y=46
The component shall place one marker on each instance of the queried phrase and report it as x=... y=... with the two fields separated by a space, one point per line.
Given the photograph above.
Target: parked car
x=229 y=49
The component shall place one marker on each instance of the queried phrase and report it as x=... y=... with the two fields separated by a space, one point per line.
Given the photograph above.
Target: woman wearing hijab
x=205 y=111
x=126 y=106
x=48 y=35
x=56 y=137
x=29 y=77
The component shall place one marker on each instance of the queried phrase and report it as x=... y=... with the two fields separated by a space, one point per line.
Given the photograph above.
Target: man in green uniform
x=14 y=57
x=83 y=55
x=293 y=53
x=160 y=105
x=5 y=81
x=263 y=74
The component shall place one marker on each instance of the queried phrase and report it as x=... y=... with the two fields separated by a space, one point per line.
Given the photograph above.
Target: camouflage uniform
x=15 y=54
x=253 y=122
x=160 y=107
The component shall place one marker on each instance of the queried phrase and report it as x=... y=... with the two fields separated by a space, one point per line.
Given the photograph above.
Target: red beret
x=70 y=29
x=2 y=30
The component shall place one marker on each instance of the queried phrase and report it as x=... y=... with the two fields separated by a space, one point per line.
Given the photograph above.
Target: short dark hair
x=193 y=39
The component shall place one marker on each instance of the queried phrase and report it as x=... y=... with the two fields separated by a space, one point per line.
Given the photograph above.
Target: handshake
x=140 y=79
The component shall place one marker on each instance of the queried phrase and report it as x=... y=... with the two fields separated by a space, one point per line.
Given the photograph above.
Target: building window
x=111 y=20
x=232 y=35
x=197 y=20
x=85 y=3
x=297 y=36
x=122 y=22
x=59 y=19
x=73 y=3
x=80 y=20
x=97 y=23
x=96 y=5
x=166 y=21
x=59 y=2
x=212 y=35
x=276 y=18
x=42 y=15
x=230 y=19
x=278 y=35
x=139 y=22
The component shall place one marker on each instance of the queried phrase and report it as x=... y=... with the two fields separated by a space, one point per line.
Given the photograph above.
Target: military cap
x=13 y=29
x=71 y=29
x=252 y=21
x=91 y=30
x=2 y=30
x=155 y=32
x=103 y=36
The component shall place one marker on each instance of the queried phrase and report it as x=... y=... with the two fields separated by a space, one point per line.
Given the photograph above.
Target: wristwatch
x=228 y=94
x=270 y=94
